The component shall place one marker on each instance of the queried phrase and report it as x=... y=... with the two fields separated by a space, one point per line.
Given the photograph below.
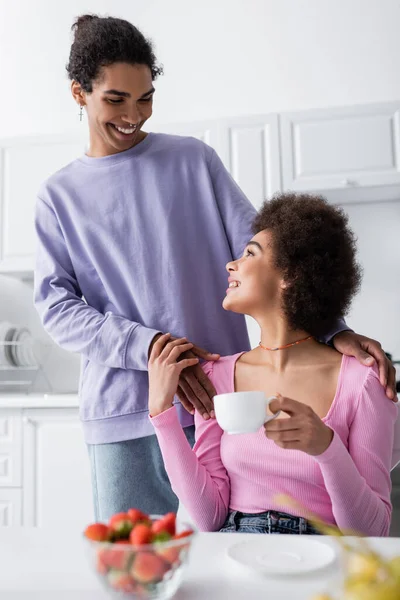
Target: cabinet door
x=10 y=447
x=25 y=163
x=341 y=148
x=250 y=149
x=10 y=507
x=56 y=473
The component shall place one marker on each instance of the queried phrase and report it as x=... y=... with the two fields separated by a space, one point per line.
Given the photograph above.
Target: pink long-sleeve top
x=349 y=484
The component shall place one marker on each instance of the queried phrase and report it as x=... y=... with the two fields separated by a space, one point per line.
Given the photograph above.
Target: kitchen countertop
x=13 y=400
x=39 y=564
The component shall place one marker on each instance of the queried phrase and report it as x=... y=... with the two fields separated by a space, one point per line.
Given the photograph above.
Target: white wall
x=221 y=57
x=376 y=310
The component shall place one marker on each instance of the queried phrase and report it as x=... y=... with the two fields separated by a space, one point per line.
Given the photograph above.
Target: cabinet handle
x=349 y=182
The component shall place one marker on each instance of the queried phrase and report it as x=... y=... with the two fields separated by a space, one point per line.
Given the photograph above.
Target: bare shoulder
x=326 y=355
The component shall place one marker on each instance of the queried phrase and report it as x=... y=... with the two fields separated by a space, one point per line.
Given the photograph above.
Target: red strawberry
x=121 y=525
x=170 y=555
x=117 y=556
x=183 y=534
x=121 y=581
x=117 y=517
x=140 y=534
x=148 y=568
x=137 y=515
x=166 y=523
x=97 y=532
x=101 y=562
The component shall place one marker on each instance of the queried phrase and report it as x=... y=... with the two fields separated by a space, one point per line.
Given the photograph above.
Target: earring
x=80 y=112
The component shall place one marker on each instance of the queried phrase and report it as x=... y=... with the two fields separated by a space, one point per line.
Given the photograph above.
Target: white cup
x=242 y=412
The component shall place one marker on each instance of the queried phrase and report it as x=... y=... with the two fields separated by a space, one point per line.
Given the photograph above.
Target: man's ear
x=77 y=93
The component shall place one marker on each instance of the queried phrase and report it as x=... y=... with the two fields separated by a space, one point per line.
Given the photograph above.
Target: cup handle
x=267 y=401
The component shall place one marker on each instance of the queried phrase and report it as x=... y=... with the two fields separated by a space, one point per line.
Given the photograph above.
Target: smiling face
x=255 y=284
x=117 y=108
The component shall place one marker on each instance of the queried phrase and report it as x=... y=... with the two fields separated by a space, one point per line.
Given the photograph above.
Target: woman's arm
x=358 y=479
x=197 y=476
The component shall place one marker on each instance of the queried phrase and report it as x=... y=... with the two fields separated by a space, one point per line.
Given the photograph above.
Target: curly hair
x=102 y=41
x=315 y=250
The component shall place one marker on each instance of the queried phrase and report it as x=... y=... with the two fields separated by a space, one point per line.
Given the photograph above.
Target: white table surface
x=39 y=564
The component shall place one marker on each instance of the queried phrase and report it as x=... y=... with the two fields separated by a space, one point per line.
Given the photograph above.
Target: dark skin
x=122 y=97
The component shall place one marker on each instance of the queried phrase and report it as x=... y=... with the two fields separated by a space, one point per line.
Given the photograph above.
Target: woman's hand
x=303 y=430
x=164 y=371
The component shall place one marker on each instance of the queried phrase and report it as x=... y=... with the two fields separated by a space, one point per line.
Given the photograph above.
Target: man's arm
x=237 y=212
x=107 y=339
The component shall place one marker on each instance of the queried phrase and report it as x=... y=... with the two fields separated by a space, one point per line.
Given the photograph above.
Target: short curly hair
x=103 y=41
x=315 y=250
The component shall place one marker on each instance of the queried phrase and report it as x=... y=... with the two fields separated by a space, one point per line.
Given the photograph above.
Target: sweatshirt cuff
x=137 y=347
x=334 y=452
x=165 y=419
x=340 y=326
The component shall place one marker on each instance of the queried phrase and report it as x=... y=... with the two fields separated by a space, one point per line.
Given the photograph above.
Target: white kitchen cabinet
x=10 y=448
x=56 y=473
x=10 y=507
x=341 y=149
x=250 y=148
x=24 y=164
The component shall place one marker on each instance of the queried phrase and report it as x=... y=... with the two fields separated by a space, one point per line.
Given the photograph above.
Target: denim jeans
x=131 y=474
x=269 y=521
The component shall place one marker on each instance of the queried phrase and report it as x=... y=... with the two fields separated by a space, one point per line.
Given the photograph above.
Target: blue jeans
x=131 y=474
x=269 y=521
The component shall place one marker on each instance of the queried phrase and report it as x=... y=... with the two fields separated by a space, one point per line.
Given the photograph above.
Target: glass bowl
x=147 y=571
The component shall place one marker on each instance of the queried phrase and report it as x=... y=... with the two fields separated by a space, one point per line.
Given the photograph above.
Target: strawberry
x=183 y=534
x=170 y=555
x=121 y=525
x=148 y=568
x=140 y=534
x=166 y=523
x=116 y=556
x=121 y=581
x=163 y=536
x=137 y=516
x=97 y=532
x=101 y=562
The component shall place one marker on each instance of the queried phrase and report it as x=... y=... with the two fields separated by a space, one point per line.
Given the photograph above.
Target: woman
x=117 y=236
x=330 y=449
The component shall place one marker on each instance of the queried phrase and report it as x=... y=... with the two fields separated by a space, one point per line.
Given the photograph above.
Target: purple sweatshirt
x=130 y=245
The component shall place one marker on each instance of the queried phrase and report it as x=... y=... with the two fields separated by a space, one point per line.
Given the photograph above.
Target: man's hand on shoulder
x=367 y=351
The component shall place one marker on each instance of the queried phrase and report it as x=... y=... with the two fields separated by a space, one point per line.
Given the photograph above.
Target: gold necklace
x=310 y=337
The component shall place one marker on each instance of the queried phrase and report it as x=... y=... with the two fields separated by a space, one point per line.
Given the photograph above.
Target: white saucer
x=287 y=555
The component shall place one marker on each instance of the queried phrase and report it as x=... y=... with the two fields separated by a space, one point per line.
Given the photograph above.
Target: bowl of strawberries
x=136 y=555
